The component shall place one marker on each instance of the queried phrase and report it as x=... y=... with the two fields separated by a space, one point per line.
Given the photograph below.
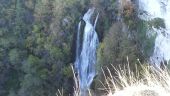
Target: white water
x=78 y=46
x=158 y=9
x=85 y=62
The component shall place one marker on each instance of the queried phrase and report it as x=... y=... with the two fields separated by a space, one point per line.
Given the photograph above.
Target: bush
x=157 y=23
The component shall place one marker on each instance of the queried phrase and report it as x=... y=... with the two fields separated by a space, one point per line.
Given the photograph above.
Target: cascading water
x=158 y=9
x=86 y=60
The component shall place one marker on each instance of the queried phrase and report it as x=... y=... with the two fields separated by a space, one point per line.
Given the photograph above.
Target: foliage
x=116 y=47
x=142 y=33
x=146 y=42
x=116 y=50
x=157 y=23
x=36 y=46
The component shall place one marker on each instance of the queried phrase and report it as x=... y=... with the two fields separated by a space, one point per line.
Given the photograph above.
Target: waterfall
x=158 y=9
x=86 y=60
x=78 y=46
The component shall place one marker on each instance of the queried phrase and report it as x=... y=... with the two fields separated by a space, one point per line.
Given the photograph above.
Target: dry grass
x=151 y=82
